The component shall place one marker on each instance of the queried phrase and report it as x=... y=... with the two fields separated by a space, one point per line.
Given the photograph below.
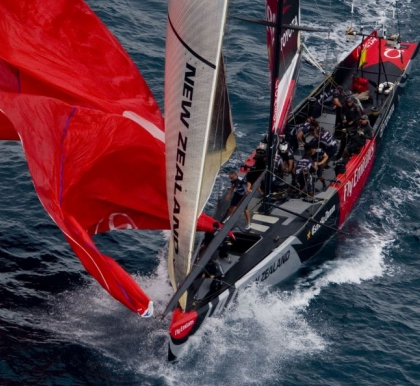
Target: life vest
x=304 y=165
x=360 y=85
x=304 y=127
x=239 y=185
x=327 y=138
x=319 y=155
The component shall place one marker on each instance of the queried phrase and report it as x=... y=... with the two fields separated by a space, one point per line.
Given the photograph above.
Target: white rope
x=308 y=57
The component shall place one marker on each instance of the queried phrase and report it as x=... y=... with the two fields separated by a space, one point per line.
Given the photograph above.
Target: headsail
x=90 y=127
x=197 y=119
x=284 y=68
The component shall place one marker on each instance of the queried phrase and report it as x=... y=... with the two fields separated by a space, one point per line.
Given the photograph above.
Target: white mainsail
x=197 y=143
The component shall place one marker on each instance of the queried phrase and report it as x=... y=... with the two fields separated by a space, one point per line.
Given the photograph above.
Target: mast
x=271 y=125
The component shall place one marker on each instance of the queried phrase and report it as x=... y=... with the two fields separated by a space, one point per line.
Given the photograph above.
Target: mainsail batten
x=193 y=58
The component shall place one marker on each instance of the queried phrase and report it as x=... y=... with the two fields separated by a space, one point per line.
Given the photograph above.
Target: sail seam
x=18 y=80
x=213 y=66
x=66 y=127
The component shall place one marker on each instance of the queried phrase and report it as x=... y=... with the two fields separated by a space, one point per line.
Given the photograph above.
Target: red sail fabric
x=90 y=127
x=205 y=224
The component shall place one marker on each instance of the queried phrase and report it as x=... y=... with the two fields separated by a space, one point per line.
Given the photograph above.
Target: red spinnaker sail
x=90 y=127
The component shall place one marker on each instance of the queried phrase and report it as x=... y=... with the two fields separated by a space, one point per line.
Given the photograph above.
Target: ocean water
x=350 y=317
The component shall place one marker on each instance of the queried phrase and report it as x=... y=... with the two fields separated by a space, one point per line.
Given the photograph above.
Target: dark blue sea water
x=351 y=317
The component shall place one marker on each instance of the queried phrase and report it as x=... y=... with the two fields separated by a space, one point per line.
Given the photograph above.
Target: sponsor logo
x=183 y=328
x=369 y=42
x=288 y=33
x=358 y=173
x=326 y=216
x=393 y=53
x=187 y=94
x=273 y=267
x=283 y=42
x=271 y=18
x=115 y=221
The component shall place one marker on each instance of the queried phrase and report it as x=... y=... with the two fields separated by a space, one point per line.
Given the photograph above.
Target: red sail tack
x=67 y=88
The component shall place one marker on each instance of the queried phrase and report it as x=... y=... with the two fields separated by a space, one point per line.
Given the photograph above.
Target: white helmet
x=283 y=147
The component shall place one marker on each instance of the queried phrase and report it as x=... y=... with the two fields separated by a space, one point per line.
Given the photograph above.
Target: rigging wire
x=225 y=115
x=328 y=23
x=352 y=15
x=398 y=23
x=238 y=155
x=273 y=175
x=311 y=59
x=221 y=112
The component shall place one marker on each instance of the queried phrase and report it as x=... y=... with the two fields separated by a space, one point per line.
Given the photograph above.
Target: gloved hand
x=360 y=132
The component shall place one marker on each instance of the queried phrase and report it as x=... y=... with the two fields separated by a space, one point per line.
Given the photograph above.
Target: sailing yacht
x=289 y=226
x=96 y=145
